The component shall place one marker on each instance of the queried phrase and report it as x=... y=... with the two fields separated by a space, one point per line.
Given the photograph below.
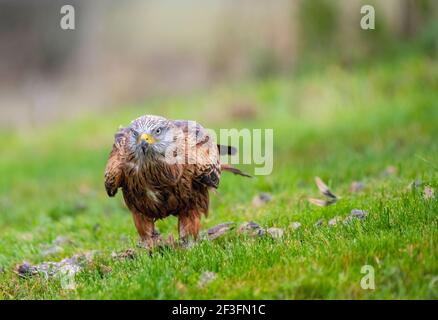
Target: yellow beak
x=148 y=138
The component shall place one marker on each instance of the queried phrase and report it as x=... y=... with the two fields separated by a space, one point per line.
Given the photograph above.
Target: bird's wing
x=202 y=154
x=113 y=171
x=200 y=134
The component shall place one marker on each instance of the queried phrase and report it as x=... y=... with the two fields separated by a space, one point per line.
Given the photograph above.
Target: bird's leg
x=188 y=225
x=145 y=228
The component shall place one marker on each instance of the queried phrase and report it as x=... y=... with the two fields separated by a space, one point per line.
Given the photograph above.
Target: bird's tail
x=226 y=167
x=229 y=150
x=226 y=150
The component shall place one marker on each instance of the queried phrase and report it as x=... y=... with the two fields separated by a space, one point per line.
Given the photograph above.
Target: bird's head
x=150 y=136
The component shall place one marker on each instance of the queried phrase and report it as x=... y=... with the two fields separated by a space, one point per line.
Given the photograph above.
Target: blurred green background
x=126 y=52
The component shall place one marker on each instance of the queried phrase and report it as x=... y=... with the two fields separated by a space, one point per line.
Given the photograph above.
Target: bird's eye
x=134 y=133
x=157 y=131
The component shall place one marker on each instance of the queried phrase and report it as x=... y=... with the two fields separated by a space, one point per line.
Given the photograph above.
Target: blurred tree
x=31 y=39
x=318 y=23
x=415 y=14
x=379 y=40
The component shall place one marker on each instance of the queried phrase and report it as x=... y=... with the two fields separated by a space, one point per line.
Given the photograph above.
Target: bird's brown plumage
x=153 y=188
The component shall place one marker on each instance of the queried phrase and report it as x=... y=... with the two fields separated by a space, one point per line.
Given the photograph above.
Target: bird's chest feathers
x=142 y=183
x=152 y=195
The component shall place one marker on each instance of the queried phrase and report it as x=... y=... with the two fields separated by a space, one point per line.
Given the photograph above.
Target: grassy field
x=377 y=124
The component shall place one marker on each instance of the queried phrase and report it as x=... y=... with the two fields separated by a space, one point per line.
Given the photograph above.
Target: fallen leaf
x=334 y=221
x=26 y=270
x=261 y=199
x=319 y=223
x=325 y=191
x=360 y=214
x=416 y=184
x=276 y=233
x=295 y=225
x=355 y=214
x=103 y=269
x=321 y=202
x=252 y=228
x=126 y=254
x=72 y=265
x=219 y=230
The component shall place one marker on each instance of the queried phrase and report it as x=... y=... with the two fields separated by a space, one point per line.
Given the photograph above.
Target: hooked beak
x=145 y=140
x=144 y=145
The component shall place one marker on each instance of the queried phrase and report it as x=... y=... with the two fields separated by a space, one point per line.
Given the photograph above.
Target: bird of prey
x=165 y=167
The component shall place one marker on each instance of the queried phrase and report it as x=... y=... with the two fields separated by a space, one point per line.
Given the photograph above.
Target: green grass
x=344 y=125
